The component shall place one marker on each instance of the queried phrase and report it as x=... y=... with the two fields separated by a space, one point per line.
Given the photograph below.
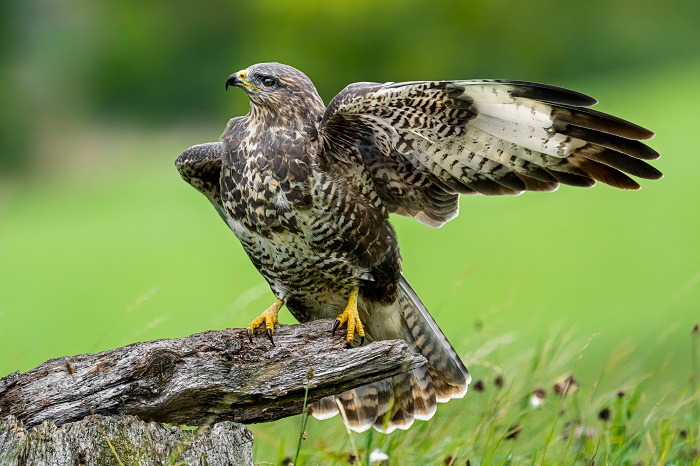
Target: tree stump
x=206 y=379
x=123 y=440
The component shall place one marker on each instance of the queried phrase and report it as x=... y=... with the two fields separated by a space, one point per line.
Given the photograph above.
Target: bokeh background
x=102 y=244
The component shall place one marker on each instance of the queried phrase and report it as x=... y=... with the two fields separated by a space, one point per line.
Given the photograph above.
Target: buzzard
x=308 y=190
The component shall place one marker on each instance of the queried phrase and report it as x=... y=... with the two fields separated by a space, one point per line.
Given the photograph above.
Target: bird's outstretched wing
x=427 y=142
x=200 y=166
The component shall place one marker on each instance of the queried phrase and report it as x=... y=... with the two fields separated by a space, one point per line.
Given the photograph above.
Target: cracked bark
x=203 y=379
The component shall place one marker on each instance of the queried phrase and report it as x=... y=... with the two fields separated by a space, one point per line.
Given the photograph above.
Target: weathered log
x=202 y=379
x=125 y=440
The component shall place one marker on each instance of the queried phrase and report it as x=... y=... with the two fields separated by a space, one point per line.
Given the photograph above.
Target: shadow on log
x=202 y=379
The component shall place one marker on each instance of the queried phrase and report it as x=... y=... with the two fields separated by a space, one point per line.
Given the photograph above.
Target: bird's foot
x=351 y=317
x=269 y=318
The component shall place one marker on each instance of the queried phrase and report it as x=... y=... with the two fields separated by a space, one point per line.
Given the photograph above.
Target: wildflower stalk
x=694 y=350
x=694 y=337
x=305 y=413
x=618 y=432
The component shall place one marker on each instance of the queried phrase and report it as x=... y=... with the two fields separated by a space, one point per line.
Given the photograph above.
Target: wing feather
x=631 y=147
x=200 y=167
x=427 y=142
x=501 y=91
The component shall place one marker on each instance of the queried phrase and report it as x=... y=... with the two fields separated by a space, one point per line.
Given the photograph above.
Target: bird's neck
x=301 y=118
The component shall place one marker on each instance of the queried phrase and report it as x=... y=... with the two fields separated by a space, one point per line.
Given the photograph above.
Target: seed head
x=537 y=398
x=513 y=431
x=498 y=381
x=566 y=386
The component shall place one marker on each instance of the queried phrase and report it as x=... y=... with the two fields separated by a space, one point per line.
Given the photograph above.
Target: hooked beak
x=239 y=80
x=233 y=80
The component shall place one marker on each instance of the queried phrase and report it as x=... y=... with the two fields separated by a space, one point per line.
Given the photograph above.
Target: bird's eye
x=268 y=81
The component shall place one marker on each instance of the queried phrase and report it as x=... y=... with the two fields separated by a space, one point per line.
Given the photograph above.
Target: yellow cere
x=243 y=75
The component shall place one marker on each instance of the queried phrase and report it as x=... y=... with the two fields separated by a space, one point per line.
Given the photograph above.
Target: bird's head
x=277 y=88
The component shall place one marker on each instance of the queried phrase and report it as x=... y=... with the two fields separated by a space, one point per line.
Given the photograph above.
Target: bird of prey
x=308 y=190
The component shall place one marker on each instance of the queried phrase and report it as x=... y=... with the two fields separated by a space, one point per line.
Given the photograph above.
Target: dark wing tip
x=623 y=162
x=568 y=105
x=550 y=94
x=604 y=173
x=525 y=90
x=604 y=122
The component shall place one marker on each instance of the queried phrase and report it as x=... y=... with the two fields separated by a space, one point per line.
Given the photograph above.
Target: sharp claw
x=269 y=335
x=250 y=335
x=362 y=340
x=348 y=345
x=336 y=324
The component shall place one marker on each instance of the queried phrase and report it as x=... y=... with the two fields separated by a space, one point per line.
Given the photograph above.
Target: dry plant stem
x=304 y=419
x=204 y=378
x=694 y=379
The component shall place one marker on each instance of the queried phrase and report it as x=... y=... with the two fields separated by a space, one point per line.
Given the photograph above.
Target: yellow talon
x=351 y=317
x=269 y=318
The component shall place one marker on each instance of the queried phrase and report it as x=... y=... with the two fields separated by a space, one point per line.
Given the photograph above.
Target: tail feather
x=396 y=402
x=450 y=377
x=358 y=410
x=422 y=393
x=325 y=408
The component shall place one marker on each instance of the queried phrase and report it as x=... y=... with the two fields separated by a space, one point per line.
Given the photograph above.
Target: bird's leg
x=351 y=317
x=269 y=318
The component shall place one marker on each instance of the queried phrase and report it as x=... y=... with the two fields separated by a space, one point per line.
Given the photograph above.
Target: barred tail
x=449 y=375
x=395 y=402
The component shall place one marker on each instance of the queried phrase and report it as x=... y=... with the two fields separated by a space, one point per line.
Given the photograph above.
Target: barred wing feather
x=427 y=142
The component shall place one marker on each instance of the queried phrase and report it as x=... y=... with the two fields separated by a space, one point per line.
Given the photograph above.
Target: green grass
x=649 y=421
x=643 y=426
x=114 y=248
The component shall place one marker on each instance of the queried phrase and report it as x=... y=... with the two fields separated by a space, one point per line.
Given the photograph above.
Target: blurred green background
x=102 y=244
